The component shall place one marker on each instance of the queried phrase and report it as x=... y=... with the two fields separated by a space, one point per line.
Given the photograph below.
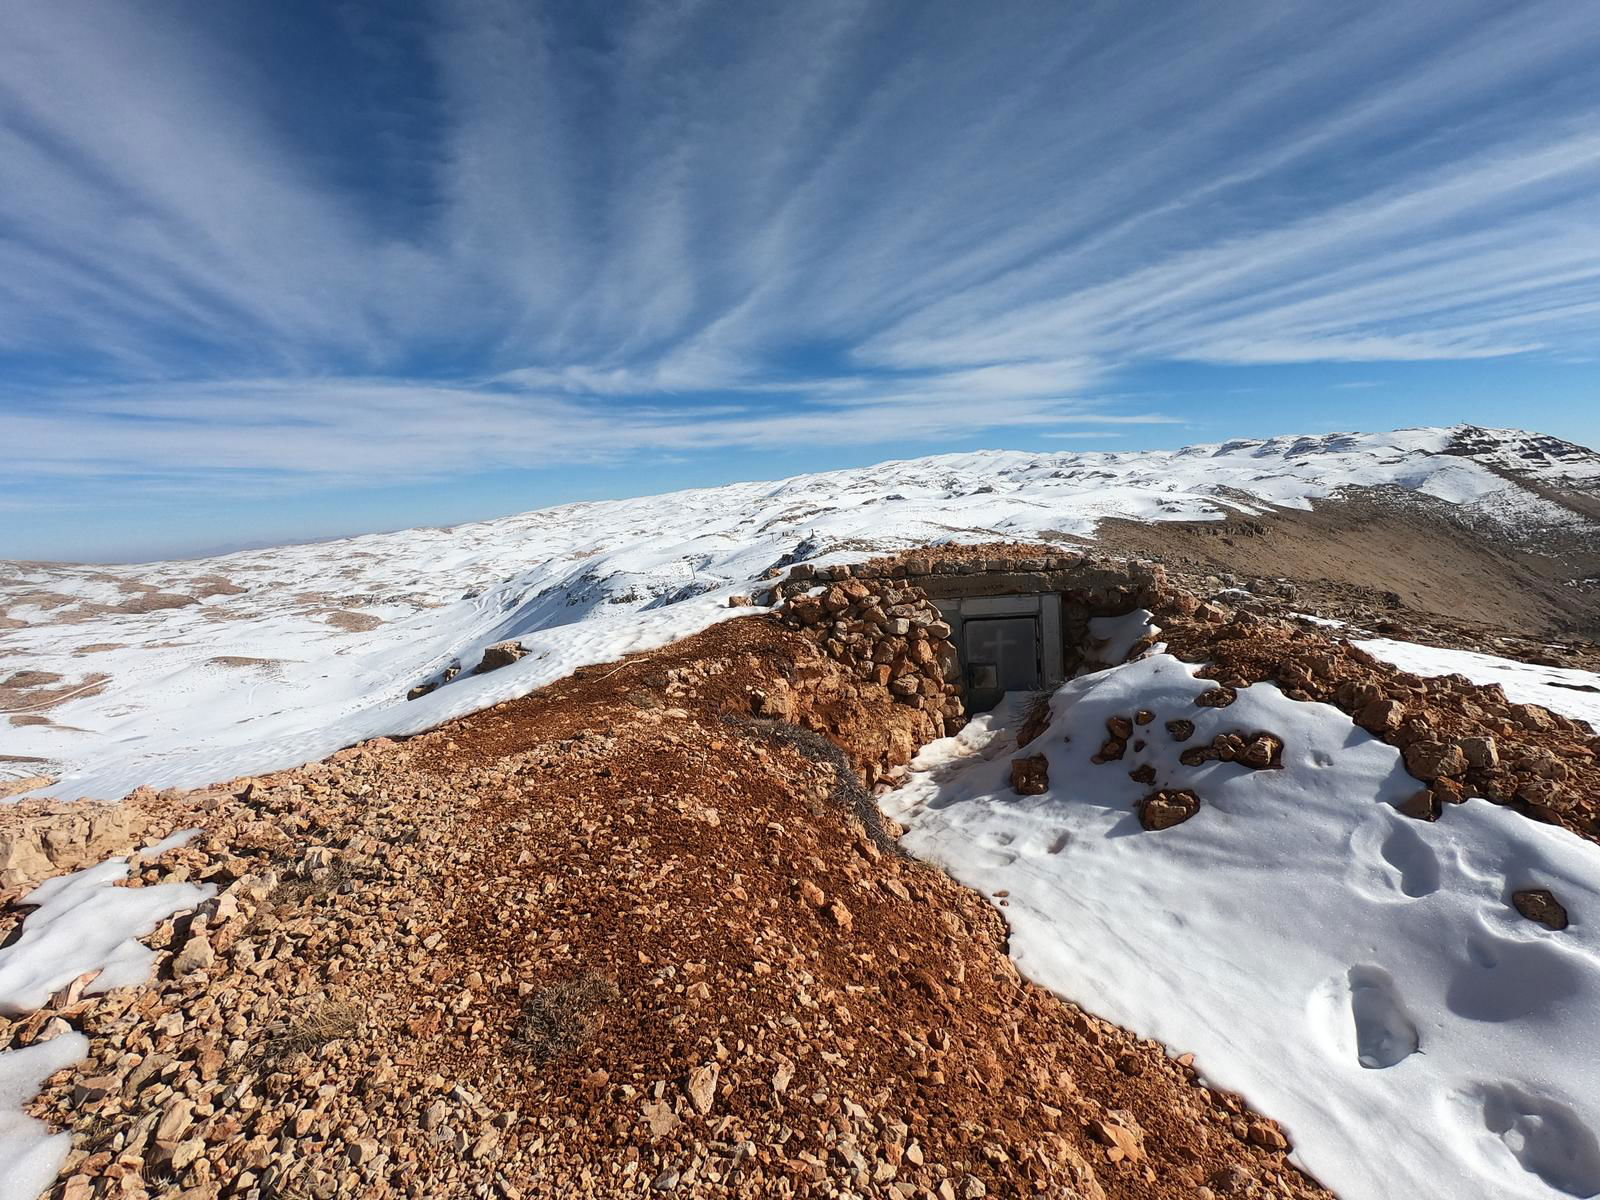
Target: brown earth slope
x=622 y=937
x=1401 y=555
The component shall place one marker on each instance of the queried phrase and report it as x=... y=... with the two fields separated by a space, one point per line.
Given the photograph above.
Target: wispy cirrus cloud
x=337 y=243
x=260 y=433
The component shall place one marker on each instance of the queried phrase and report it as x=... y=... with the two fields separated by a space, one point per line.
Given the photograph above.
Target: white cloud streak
x=255 y=434
x=681 y=227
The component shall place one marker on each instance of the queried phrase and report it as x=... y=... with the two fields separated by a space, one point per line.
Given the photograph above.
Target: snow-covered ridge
x=273 y=657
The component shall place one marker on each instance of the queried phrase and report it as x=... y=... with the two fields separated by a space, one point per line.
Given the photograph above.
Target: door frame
x=1046 y=606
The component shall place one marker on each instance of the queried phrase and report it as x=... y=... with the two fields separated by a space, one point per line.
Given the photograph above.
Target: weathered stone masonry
x=898 y=620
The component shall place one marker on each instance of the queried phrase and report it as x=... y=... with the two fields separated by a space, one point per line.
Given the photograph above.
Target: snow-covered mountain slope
x=1361 y=976
x=181 y=673
x=1572 y=693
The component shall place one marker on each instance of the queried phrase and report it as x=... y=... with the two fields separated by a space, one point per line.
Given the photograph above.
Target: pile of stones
x=886 y=632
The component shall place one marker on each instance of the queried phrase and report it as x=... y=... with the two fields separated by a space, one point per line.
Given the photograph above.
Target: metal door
x=1002 y=655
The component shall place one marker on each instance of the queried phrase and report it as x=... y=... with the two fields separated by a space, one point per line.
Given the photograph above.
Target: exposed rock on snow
x=1163 y=810
x=1537 y=904
x=1396 y=995
x=501 y=654
x=1030 y=776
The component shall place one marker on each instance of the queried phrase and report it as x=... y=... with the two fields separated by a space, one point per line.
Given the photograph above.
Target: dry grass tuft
x=327 y=1023
x=294 y=890
x=847 y=792
x=1037 y=717
x=559 y=1019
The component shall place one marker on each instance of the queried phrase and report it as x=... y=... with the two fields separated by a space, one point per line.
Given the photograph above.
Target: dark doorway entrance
x=1002 y=655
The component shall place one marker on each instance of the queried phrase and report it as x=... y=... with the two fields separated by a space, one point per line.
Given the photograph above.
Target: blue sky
x=288 y=270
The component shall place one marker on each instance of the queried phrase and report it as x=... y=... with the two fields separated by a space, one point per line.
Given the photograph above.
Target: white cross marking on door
x=1003 y=642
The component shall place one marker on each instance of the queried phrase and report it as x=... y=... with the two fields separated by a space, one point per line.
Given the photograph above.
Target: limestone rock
x=1121 y=1135
x=1164 y=809
x=1431 y=759
x=1030 y=776
x=22 y=859
x=1537 y=904
x=702 y=1087
x=1381 y=716
x=660 y=1119
x=501 y=654
x=1481 y=752
x=196 y=955
x=1263 y=750
x=841 y=915
x=1422 y=805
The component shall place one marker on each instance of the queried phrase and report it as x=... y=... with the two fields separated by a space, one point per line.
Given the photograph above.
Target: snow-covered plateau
x=184 y=673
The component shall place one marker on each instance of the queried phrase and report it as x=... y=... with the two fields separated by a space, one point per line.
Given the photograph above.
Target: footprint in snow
x=1385 y=1032
x=1390 y=860
x=1506 y=979
x=1540 y=1134
x=1414 y=861
x=1359 y=1015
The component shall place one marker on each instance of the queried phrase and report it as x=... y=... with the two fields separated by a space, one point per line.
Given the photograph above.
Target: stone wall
x=880 y=618
x=1117 y=585
x=884 y=632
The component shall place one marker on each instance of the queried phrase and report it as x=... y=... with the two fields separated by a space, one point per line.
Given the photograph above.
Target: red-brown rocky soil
x=639 y=933
x=644 y=932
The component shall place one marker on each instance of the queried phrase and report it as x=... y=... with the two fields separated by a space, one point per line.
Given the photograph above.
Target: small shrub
x=1036 y=718
x=559 y=1019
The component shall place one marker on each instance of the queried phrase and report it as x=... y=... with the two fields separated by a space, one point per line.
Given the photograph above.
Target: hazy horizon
x=213 y=551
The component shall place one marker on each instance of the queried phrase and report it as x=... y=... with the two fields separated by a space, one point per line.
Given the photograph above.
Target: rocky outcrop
x=1260 y=750
x=501 y=654
x=49 y=838
x=887 y=634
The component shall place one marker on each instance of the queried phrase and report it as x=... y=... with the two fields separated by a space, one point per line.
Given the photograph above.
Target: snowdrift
x=1362 y=977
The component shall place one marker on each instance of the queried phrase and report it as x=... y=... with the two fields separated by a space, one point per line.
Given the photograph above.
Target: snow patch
x=30 y=1156
x=84 y=924
x=1566 y=690
x=1414 y=1034
x=1112 y=638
